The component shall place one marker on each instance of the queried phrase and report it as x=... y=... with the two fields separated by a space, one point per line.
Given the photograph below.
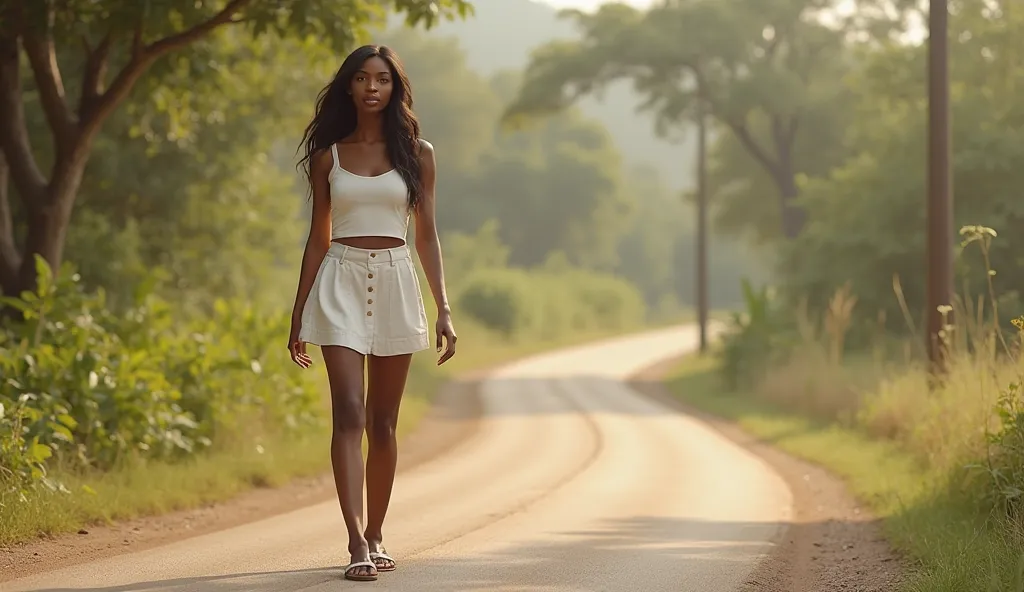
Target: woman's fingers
x=299 y=355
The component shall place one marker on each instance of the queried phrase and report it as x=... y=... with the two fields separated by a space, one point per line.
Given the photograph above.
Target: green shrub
x=546 y=303
x=755 y=339
x=500 y=299
x=604 y=301
x=94 y=388
x=1004 y=470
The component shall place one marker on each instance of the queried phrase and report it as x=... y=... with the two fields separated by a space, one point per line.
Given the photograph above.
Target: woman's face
x=372 y=85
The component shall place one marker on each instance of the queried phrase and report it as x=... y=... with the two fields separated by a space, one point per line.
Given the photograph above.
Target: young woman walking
x=358 y=296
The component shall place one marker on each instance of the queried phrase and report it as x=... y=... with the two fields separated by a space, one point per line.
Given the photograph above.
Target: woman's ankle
x=358 y=546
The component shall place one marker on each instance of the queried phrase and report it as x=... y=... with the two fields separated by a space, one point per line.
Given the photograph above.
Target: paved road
x=573 y=483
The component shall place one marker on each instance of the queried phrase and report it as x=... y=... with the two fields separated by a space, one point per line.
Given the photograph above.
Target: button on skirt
x=366 y=300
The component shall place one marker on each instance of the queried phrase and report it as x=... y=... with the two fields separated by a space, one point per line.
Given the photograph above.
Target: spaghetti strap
x=334 y=154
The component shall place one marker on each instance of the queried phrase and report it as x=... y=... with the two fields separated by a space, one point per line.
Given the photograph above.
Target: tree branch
x=742 y=133
x=96 y=61
x=14 y=138
x=43 y=58
x=225 y=16
x=144 y=55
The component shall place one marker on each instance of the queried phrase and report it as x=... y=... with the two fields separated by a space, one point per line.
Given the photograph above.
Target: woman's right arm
x=317 y=244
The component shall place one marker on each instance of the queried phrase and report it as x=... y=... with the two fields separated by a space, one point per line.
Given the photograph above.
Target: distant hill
x=502 y=35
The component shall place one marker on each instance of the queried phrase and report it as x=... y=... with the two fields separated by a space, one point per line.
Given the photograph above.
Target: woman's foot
x=379 y=555
x=362 y=568
x=361 y=571
x=382 y=561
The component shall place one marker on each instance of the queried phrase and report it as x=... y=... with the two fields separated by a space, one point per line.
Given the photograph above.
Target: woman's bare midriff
x=370 y=242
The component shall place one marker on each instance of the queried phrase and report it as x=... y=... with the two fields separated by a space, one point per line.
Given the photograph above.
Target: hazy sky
x=591 y=4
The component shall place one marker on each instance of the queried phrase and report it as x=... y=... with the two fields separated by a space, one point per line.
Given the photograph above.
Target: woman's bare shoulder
x=322 y=161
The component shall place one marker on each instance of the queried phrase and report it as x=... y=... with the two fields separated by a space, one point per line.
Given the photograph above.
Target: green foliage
x=965 y=417
x=1004 y=470
x=96 y=388
x=557 y=186
x=500 y=299
x=300 y=18
x=757 y=338
x=867 y=215
x=764 y=72
x=549 y=302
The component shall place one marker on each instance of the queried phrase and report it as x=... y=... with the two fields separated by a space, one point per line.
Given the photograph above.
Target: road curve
x=573 y=482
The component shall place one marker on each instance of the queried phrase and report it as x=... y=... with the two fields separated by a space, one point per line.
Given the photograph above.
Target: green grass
x=929 y=516
x=136 y=490
x=154 y=488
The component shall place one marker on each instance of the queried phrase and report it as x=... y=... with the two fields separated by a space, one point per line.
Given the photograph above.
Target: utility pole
x=702 y=222
x=940 y=181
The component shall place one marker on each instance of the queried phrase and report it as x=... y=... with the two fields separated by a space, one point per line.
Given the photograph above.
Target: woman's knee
x=382 y=429
x=348 y=412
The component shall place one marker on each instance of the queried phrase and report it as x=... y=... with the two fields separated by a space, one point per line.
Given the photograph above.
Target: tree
x=556 y=187
x=193 y=179
x=868 y=215
x=760 y=66
x=553 y=187
x=129 y=38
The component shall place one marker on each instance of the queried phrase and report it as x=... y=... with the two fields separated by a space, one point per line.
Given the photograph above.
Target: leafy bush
x=501 y=299
x=93 y=388
x=1004 y=470
x=755 y=339
x=549 y=303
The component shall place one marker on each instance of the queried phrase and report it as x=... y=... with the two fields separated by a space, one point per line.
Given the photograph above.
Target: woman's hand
x=297 y=348
x=446 y=332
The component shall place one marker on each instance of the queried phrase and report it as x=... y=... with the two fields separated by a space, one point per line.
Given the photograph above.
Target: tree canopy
x=868 y=215
x=763 y=70
x=114 y=45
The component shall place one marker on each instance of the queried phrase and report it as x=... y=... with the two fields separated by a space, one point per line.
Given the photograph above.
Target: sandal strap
x=356 y=564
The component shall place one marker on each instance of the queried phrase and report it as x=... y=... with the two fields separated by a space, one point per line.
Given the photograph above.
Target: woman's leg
x=387 y=376
x=345 y=372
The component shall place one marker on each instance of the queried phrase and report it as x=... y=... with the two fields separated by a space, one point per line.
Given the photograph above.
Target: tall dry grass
x=887 y=391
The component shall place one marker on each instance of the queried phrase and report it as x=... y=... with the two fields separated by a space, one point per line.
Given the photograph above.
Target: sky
x=917 y=33
x=592 y=4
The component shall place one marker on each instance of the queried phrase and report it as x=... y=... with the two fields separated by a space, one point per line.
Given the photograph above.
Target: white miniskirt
x=368 y=300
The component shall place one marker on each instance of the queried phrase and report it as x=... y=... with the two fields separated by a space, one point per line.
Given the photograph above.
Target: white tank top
x=367 y=206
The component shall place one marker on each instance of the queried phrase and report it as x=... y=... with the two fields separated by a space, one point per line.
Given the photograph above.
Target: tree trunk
x=48 y=223
x=10 y=261
x=778 y=165
x=702 y=227
x=793 y=216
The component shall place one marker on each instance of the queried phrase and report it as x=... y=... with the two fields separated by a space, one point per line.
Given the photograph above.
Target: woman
x=358 y=295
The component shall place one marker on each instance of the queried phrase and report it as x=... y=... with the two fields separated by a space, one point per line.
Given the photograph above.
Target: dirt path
x=834 y=544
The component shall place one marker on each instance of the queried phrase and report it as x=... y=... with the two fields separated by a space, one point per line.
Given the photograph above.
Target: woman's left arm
x=428 y=246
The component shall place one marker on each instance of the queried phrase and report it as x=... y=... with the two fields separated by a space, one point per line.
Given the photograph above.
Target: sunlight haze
x=592 y=4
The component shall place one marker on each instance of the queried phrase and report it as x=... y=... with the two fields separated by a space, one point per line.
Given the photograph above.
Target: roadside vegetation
x=938 y=458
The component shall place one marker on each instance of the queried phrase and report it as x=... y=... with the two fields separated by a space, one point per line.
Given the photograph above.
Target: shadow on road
x=640 y=551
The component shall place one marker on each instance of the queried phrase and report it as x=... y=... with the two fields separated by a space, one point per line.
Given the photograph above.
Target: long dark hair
x=335 y=118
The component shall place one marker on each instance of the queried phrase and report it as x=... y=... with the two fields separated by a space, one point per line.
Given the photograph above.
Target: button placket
x=369 y=288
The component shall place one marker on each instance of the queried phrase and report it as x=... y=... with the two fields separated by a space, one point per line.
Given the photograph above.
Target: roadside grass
x=139 y=489
x=931 y=515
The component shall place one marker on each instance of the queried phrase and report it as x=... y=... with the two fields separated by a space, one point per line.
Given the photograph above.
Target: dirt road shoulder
x=833 y=544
